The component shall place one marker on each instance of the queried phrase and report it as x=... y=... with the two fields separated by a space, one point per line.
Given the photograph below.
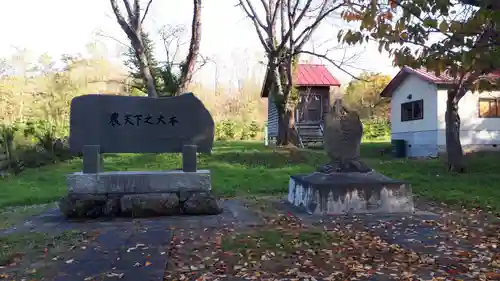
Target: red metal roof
x=428 y=76
x=314 y=75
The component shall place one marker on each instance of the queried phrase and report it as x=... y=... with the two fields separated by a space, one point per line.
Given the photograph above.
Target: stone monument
x=346 y=184
x=126 y=124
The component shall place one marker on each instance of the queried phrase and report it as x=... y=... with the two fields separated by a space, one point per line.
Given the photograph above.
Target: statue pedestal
x=343 y=193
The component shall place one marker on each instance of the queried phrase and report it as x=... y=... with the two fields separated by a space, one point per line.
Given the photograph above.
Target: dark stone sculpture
x=345 y=184
x=343 y=132
x=128 y=124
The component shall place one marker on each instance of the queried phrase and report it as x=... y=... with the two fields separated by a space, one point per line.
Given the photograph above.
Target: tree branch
x=204 y=61
x=119 y=17
x=130 y=13
x=275 y=12
x=337 y=65
x=146 y=11
x=267 y=10
x=283 y=24
x=194 y=48
x=171 y=35
x=290 y=57
x=256 y=25
x=294 y=25
x=255 y=17
x=295 y=7
x=307 y=32
x=101 y=34
x=136 y=19
x=134 y=33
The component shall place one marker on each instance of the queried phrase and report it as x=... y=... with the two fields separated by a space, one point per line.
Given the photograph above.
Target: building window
x=413 y=110
x=489 y=108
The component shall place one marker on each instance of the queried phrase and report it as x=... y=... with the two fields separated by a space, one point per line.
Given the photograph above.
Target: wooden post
x=92 y=159
x=189 y=158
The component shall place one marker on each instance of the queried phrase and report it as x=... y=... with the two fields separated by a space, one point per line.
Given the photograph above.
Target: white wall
x=272 y=118
x=419 y=89
x=426 y=137
x=474 y=131
x=421 y=135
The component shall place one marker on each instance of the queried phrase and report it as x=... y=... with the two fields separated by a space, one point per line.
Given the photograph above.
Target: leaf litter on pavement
x=285 y=248
x=32 y=256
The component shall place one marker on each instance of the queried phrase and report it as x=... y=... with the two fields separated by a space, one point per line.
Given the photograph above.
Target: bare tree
x=297 y=20
x=188 y=66
x=132 y=26
x=172 y=42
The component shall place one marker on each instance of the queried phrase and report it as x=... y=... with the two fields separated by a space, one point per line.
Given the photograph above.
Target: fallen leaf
x=119 y=275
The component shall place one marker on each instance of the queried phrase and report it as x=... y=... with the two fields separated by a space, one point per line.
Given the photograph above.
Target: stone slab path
x=140 y=249
x=132 y=255
x=52 y=221
x=128 y=249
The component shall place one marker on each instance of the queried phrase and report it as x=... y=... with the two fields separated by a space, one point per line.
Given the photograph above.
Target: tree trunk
x=285 y=127
x=147 y=75
x=282 y=138
x=293 y=137
x=194 y=49
x=132 y=28
x=280 y=102
x=453 y=146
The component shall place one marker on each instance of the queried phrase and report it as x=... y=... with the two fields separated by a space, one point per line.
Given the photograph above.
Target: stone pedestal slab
x=139 y=194
x=341 y=193
x=128 y=182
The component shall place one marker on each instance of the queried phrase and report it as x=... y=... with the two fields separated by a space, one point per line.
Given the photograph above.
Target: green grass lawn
x=240 y=168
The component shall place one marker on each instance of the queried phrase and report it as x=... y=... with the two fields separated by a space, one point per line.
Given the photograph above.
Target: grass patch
x=235 y=167
x=14 y=215
x=243 y=168
x=429 y=179
x=33 y=255
x=272 y=249
x=284 y=241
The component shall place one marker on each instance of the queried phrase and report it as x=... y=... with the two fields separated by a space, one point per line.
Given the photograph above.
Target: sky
x=59 y=27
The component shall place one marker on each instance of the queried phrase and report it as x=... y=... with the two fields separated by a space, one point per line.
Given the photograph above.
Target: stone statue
x=342 y=139
x=345 y=185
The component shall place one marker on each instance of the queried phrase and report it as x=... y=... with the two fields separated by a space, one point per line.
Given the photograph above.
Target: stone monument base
x=344 y=193
x=139 y=194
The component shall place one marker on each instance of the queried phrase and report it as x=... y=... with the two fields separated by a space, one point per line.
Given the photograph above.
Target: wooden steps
x=309 y=134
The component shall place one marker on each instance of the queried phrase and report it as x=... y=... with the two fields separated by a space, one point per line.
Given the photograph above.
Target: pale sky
x=61 y=27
